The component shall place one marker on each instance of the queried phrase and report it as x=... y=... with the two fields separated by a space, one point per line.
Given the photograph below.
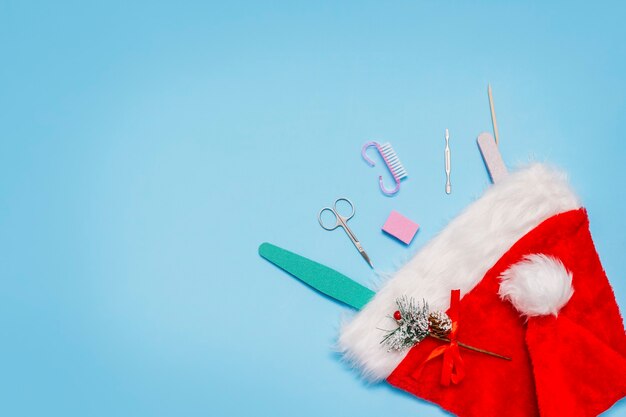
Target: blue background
x=147 y=148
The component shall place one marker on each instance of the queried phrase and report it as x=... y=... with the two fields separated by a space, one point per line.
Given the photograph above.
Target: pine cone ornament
x=439 y=323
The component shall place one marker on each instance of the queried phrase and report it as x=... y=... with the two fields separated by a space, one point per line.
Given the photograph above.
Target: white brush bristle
x=397 y=169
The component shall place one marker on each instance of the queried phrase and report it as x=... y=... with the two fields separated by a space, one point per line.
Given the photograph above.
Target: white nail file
x=447 y=157
x=491 y=156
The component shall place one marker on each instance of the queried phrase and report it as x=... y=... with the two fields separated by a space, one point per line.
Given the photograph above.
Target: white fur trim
x=457 y=258
x=538 y=285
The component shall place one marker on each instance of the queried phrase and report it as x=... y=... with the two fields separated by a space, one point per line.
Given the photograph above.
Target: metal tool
x=447 y=154
x=342 y=221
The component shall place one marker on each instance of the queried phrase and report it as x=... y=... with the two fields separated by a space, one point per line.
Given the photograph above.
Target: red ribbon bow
x=453 y=368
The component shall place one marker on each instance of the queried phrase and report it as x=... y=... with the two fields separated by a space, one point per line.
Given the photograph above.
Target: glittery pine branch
x=413 y=326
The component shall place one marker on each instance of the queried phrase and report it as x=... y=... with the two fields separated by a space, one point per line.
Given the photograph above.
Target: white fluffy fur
x=457 y=258
x=538 y=285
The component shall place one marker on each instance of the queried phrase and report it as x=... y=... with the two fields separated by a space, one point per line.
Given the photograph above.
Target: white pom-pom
x=538 y=285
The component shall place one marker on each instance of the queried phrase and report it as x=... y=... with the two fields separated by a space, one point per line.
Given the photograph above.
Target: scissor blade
x=358 y=246
x=367 y=258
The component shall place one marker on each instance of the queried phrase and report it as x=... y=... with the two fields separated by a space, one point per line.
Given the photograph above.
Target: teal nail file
x=320 y=277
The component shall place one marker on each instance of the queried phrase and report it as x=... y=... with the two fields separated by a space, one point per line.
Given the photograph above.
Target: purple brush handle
x=380 y=178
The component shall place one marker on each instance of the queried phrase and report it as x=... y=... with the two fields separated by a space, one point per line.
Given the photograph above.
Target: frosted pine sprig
x=413 y=326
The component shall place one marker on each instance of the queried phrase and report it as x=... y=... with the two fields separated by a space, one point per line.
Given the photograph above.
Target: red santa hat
x=533 y=289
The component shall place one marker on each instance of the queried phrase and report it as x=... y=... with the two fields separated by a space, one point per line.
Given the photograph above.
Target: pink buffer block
x=400 y=227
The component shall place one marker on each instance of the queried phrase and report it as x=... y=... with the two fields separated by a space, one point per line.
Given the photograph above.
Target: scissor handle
x=337 y=222
x=340 y=220
x=338 y=213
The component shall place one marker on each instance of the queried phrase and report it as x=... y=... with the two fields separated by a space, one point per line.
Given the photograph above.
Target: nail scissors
x=342 y=221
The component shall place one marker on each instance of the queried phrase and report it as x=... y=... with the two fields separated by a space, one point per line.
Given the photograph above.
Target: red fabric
x=573 y=365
